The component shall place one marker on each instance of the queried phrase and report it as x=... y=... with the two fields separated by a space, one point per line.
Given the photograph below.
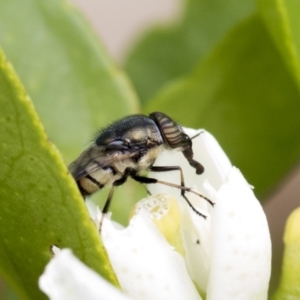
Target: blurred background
x=120 y=23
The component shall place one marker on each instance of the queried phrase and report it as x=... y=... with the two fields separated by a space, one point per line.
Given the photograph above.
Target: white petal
x=66 y=277
x=207 y=151
x=164 y=211
x=196 y=230
x=145 y=264
x=241 y=246
x=196 y=235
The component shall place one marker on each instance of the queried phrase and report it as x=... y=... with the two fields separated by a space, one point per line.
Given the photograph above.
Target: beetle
x=129 y=148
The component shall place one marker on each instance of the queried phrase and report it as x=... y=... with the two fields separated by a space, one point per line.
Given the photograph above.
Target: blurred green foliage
x=168 y=52
x=67 y=72
x=289 y=283
x=237 y=94
x=227 y=66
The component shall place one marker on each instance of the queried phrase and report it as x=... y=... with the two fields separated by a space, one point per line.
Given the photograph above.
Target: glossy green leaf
x=7 y=293
x=168 y=52
x=283 y=22
x=289 y=288
x=40 y=204
x=246 y=97
x=74 y=84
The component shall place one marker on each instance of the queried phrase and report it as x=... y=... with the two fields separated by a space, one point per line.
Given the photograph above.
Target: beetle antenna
x=197 y=134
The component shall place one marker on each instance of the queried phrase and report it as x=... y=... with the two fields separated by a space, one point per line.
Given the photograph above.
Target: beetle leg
x=170 y=168
x=176 y=168
x=148 y=180
x=109 y=199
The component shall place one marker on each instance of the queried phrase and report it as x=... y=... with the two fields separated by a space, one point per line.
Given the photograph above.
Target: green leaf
x=289 y=288
x=283 y=22
x=40 y=205
x=6 y=293
x=168 y=52
x=244 y=95
x=74 y=84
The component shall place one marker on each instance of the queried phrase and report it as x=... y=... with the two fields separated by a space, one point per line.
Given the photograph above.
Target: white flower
x=66 y=277
x=170 y=252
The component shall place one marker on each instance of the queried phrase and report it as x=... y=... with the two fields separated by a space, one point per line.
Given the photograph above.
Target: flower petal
x=66 y=277
x=196 y=230
x=196 y=235
x=241 y=246
x=207 y=151
x=146 y=265
x=163 y=210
